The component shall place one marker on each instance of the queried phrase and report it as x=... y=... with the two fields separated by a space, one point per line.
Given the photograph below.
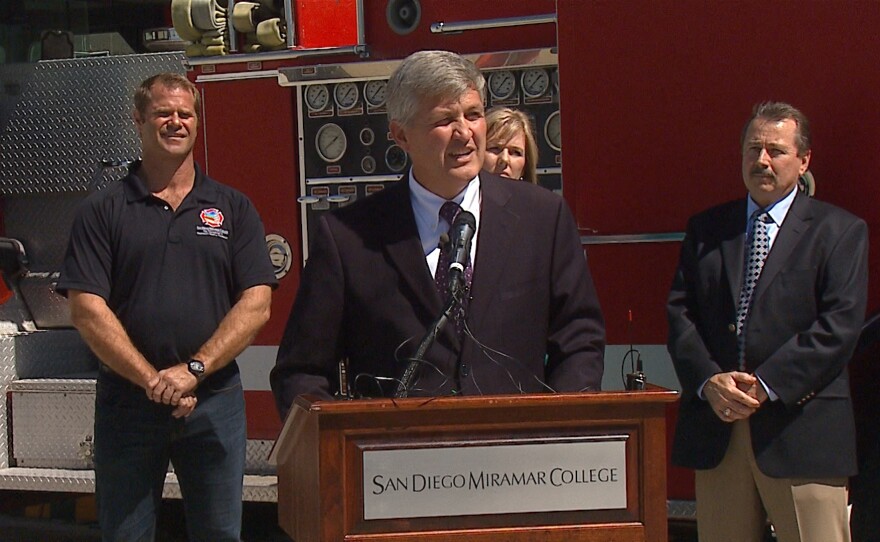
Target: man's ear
x=805 y=161
x=136 y=116
x=398 y=133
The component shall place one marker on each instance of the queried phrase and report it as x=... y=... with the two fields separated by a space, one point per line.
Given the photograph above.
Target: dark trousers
x=134 y=441
x=865 y=495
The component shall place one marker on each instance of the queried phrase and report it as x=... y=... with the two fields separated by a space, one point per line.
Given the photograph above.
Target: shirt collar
x=427 y=204
x=136 y=190
x=777 y=211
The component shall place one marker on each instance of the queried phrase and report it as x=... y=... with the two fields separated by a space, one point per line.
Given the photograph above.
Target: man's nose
x=463 y=130
x=764 y=157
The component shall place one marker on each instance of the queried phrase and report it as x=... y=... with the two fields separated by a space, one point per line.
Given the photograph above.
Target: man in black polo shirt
x=169 y=279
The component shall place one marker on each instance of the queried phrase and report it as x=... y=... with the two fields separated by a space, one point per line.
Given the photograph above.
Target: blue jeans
x=136 y=438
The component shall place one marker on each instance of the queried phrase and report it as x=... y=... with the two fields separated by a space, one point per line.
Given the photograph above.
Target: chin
x=466 y=172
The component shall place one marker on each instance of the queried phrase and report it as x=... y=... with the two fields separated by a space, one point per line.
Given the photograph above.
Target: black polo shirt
x=169 y=276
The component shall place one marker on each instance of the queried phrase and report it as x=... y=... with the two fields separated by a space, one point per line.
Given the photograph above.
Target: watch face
x=196 y=367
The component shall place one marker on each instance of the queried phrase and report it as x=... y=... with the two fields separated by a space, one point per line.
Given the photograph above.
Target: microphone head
x=465 y=218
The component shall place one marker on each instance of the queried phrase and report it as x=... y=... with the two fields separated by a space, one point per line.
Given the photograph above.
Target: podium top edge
x=653 y=394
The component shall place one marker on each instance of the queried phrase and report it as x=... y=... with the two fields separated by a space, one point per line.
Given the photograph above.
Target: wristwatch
x=196 y=368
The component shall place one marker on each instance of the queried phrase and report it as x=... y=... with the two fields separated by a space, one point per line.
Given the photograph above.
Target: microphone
x=459 y=243
x=461 y=234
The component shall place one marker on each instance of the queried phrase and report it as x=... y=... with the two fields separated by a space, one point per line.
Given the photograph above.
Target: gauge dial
x=317 y=97
x=345 y=95
x=502 y=85
x=331 y=142
x=368 y=164
x=553 y=131
x=367 y=136
x=535 y=82
x=395 y=158
x=374 y=93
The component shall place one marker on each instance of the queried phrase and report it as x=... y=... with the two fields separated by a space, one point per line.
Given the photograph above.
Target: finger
x=157 y=392
x=167 y=395
x=743 y=397
x=153 y=382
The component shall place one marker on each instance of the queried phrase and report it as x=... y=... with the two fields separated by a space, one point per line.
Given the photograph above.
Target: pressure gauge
x=345 y=95
x=330 y=142
x=317 y=97
x=374 y=93
x=553 y=131
x=368 y=164
x=367 y=136
x=502 y=85
x=395 y=158
x=535 y=82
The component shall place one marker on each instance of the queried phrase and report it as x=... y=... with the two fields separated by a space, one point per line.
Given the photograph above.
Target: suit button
x=731 y=327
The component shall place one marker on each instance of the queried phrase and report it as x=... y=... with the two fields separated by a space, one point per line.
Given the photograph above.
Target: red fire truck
x=648 y=97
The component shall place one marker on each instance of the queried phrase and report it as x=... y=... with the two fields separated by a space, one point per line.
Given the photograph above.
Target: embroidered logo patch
x=212 y=217
x=213 y=220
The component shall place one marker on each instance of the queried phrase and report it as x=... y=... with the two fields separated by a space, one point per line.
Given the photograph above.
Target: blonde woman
x=511 y=150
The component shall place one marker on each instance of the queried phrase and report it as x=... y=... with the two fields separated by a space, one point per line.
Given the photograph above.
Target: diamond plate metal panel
x=54 y=353
x=256 y=488
x=53 y=423
x=28 y=479
x=7 y=375
x=71 y=116
x=13 y=78
x=257 y=458
x=42 y=223
x=681 y=510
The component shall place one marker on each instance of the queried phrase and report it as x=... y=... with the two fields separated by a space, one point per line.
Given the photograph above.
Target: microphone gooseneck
x=461 y=234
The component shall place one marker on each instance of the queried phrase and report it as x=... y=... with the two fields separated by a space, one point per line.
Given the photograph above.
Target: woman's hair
x=502 y=124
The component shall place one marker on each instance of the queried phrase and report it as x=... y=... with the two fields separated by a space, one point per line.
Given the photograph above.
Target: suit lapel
x=796 y=223
x=495 y=243
x=733 y=247
x=401 y=241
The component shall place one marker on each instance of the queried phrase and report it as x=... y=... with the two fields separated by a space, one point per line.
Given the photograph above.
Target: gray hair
x=429 y=75
x=778 y=111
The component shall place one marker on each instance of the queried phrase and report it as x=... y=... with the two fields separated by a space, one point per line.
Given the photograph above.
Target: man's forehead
x=163 y=94
x=763 y=128
x=449 y=100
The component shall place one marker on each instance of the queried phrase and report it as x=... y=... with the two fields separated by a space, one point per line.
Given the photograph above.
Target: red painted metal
x=319 y=23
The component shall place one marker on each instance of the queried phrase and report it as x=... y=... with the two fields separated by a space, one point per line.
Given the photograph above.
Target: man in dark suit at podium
x=368 y=295
x=764 y=315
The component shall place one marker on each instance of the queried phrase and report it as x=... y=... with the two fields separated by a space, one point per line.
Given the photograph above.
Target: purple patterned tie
x=449 y=212
x=759 y=247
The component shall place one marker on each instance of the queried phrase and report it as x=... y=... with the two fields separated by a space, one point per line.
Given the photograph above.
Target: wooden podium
x=497 y=468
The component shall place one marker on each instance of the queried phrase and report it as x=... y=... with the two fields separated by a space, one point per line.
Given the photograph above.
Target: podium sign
x=454 y=480
x=570 y=467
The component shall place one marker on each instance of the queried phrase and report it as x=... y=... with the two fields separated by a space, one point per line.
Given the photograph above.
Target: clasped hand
x=174 y=386
x=734 y=395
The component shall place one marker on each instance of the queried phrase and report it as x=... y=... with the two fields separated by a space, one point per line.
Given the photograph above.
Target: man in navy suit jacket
x=769 y=428
x=367 y=293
